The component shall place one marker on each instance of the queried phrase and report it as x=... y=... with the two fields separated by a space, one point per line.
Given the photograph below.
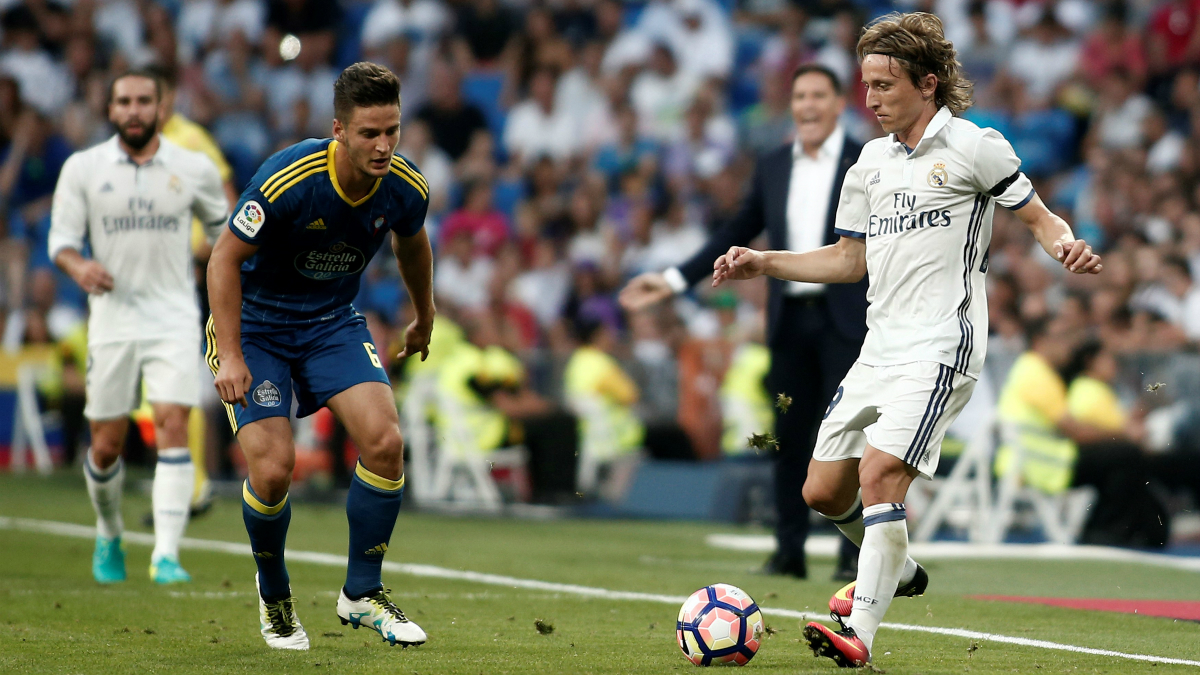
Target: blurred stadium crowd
x=572 y=144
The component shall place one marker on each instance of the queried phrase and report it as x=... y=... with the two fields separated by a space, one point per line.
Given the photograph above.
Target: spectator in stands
x=1173 y=38
x=768 y=123
x=661 y=94
x=452 y=120
x=485 y=32
x=1111 y=46
x=1121 y=112
x=537 y=127
x=421 y=23
x=478 y=217
x=462 y=276
x=632 y=151
x=1045 y=57
x=43 y=81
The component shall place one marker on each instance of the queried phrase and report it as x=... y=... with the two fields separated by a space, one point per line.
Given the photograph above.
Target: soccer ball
x=719 y=624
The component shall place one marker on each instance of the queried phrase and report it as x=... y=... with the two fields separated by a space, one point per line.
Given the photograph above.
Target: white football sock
x=171 y=497
x=851 y=525
x=104 y=488
x=884 y=548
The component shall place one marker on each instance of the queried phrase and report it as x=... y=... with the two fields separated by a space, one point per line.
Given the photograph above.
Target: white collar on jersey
x=939 y=121
x=830 y=149
x=118 y=156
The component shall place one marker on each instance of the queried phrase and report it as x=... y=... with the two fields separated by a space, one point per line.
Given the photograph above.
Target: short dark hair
x=805 y=69
x=167 y=75
x=136 y=72
x=364 y=85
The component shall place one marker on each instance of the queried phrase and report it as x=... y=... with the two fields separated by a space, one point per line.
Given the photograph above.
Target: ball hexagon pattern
x=719 y=624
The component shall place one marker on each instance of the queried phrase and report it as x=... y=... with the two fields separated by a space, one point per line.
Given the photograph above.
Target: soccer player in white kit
x=915 y=215
x=132 y=199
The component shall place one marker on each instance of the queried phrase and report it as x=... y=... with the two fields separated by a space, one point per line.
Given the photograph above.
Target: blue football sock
x=267 y=525
x=371 y=508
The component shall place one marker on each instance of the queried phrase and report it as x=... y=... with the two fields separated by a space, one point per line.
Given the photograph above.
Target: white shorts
x=902 y=410
x=170 y=370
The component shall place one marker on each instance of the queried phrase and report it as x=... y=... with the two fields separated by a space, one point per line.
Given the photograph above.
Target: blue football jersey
x=313 y=241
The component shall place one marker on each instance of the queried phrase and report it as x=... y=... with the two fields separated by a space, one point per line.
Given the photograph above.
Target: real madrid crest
x=938 y=176
x=175 y=185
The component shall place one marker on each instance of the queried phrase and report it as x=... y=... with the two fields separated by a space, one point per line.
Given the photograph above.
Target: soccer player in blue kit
x=280 y=282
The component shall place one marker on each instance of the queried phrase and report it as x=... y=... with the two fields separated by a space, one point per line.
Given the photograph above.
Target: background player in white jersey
x=132 y=198
x=915 y=215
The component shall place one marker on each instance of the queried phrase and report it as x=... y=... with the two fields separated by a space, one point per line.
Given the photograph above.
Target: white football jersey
x=138 y=220
x=926 y=215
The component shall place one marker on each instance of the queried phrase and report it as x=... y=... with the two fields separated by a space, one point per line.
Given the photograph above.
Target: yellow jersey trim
x=291 y=169
x=378 y=481
x=399 y=172
x=277 y=193
x=262 y=508
x=214 y=364
x=333 y=178
x=399 y=163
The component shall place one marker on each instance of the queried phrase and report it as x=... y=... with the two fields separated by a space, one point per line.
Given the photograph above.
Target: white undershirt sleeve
x=210 y=204
x=68 y=211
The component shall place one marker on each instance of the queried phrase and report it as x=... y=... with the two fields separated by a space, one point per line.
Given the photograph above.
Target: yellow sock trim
x=378 y=481
x=259 y=506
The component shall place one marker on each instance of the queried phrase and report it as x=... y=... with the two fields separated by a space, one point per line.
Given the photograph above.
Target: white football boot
x=278 y=623
x=379 y=613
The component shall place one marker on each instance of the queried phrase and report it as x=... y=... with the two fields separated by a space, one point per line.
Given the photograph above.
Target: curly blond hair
x=917 y=42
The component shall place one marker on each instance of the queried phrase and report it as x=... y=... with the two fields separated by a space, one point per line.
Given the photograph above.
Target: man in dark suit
x=814 y=332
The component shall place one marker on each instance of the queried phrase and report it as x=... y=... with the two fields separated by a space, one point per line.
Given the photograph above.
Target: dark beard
x=139 y=141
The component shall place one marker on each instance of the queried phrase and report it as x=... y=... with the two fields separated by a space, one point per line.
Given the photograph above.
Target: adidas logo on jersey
x=874 y=179
x=318 y=224
x=377 y=550
x=107 y=187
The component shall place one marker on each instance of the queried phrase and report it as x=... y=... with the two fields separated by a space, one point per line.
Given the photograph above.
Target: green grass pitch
x=55 y=619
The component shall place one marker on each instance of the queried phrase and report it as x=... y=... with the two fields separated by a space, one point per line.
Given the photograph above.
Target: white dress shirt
x=809 y=191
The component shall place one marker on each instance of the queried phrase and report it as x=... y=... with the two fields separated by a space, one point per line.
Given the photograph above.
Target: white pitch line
x=330 y=559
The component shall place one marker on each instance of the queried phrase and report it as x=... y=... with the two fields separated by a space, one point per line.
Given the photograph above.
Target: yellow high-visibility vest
x=1032 y=402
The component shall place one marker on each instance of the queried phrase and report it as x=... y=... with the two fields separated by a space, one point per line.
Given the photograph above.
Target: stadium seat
x=483 y=88
x=462 y=473
x=1061 y=516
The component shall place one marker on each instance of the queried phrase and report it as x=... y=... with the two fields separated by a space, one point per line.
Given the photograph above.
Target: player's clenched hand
x=233 y=381
x=739 y=263
x=416 y=339
x=1077 y=257
x=645 y=290
x=92 y=277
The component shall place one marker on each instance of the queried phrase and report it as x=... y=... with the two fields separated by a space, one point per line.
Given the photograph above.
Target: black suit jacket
x=765 y=207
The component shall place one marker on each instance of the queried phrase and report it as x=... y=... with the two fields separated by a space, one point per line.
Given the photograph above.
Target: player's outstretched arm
x=225 y=300
x=415 y=258
x=840 y=263
x=1056 y=238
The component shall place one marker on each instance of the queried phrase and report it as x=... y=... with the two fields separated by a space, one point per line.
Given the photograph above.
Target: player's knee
x=105 y=450
x=824 y=498
x=385 y=446
x=881 y=480
x=172 y=430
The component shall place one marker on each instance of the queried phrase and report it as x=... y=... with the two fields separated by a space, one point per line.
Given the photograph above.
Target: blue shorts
x=316 y=362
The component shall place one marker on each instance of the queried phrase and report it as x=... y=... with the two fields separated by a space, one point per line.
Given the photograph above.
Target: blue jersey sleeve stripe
x=420 y=190
x=400 y=163
x=280 y=176
x=277 y=192
x=1025 y=201
x=849 y=233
